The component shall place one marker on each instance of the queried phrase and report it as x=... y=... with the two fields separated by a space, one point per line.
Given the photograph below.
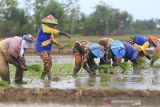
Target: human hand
x=68 y=35
x=60 y=46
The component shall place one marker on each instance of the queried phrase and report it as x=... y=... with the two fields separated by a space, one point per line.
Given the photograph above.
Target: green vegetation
x=4 y=83
x=125 y=66
x=105 y=68
x=142 y=62
x=35 y=70
x=105 y=20
x=122 y=67
x=35 y=67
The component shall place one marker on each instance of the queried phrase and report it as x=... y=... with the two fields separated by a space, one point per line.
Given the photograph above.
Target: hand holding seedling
x=60 y=46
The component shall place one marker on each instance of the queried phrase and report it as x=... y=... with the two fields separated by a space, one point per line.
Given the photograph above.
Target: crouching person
x=125 y=50
x=84 y=53
x=141 y=43
x=109 y=58
x=12 y=52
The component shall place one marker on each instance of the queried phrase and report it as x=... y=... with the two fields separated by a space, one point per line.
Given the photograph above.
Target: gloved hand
x=66 y=34
x=60 y=46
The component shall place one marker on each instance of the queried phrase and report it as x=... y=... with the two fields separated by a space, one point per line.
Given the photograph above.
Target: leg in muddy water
x=152 y=62
x=4 y=68
x=5 y=76
x=92 y=65
x=19 y=76
x=75 y=70
x=86 y=67
x=49 y=75
x=47 y=60
x=78 y=61
x=154 y=58
x=43 y=75
x=46 y=73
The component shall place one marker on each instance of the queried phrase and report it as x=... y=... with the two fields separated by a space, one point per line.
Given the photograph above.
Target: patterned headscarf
x=50 y=19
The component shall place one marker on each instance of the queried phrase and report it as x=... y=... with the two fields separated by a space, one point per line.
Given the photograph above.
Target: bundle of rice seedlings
x=35 y=67
x=4 y=83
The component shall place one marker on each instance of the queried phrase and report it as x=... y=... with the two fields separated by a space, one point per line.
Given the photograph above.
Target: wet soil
x=120 y=90
x=94 y=97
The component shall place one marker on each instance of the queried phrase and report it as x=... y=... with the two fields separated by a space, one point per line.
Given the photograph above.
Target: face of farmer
x=52 y=26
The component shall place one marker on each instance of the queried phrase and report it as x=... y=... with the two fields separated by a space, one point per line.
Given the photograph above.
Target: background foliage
x=105 y=20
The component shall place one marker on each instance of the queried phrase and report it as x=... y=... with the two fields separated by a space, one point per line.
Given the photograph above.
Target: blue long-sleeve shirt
x=140 y=40
x=131 y=51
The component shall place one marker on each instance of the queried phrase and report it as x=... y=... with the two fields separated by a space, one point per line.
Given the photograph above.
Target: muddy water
x=148 y=78
x=140 y=82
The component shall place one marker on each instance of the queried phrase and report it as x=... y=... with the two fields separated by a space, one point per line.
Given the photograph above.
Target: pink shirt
x=13 y=45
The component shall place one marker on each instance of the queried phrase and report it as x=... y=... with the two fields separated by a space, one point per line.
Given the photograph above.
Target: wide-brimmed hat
x=50 y=19
x=96 y=50
x=118 y=48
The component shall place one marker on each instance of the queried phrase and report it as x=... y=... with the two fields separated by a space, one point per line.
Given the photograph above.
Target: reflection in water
x=148 y=79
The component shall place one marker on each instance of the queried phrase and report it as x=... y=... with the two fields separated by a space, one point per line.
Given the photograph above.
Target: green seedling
x=105 y=68
x=154 y=59
x=142 y=62
x=125 y=66
x=4 y=83
x=35 y=67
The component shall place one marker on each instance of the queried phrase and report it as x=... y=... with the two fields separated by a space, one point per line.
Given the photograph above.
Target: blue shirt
x=140 y=40
x=43 y=37
x=131 y=51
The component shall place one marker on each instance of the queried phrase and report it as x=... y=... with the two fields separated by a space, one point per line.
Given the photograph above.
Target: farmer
x=154 y=43
x=141 y=43
x=106 y=44
x=84 y=53
x=125 y=50
x=45 y=40
x=12 y=52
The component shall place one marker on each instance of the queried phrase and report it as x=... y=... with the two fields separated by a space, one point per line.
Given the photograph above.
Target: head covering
x=131 y=41
x=118 y=48
x=96 y=50
x=106 y=42
x=27 y=41
x=50 y=19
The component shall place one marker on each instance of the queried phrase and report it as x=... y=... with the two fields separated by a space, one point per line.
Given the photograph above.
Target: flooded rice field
x=118 y=90
x=147 y=78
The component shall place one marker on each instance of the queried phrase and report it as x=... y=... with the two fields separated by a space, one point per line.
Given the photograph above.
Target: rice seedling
x=4 y=83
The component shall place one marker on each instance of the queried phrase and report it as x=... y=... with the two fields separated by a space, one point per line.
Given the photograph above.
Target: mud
x=79 y=96
x=120 y=90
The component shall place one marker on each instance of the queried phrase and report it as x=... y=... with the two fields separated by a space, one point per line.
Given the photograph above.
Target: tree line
x=105 y=20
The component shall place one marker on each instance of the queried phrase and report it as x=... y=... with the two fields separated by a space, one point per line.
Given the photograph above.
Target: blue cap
x=97 y=50
x=118 y=48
